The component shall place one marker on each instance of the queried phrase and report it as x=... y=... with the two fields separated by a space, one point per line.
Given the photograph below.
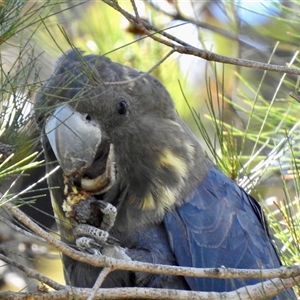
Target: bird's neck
x=164 y=179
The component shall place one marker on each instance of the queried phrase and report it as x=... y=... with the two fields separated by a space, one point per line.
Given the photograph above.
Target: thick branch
x=258 y=291
x=103 y=261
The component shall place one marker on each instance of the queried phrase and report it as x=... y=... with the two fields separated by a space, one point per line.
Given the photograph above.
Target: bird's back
x=221 y=225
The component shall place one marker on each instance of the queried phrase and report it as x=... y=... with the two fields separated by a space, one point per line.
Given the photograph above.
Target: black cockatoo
x=135 y=183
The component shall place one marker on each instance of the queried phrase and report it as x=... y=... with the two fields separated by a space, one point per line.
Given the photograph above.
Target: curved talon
x=109 y=214
x=112 y=241
x=88 y=245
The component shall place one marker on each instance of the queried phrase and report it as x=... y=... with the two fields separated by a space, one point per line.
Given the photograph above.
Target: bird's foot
x=98 y=242
x=109 y=214
x=90 y=238
x=95 y=218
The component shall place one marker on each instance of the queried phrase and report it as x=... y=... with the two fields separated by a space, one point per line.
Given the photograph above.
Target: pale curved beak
x=74 y=139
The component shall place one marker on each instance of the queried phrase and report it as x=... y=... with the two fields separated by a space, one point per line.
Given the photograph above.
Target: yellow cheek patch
x=168 y=196
x=165 y=198
x=161 y=196
x=148 y=203
x=172 y=162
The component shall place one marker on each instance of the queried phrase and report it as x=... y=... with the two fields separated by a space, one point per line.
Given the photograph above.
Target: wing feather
x=220 y=225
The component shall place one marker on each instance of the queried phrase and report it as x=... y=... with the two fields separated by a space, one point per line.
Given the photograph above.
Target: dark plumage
x=173 y=205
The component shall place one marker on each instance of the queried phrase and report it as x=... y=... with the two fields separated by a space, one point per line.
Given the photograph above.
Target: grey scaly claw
x=98 y=235
x=109 y=214
x=88 y=245
x=92 y=239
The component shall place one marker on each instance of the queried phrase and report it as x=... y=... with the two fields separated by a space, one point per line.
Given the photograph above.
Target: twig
x=179 y=16
x=294 y=96
x=99 y=281
x=21 y=230
x=103 y=261
x=258 y=291
x=184 y=48
x=32 y=273
x=113 y=83
x=270 y=287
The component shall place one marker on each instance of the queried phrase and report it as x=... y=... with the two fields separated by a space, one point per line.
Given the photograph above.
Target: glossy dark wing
x=220 y=225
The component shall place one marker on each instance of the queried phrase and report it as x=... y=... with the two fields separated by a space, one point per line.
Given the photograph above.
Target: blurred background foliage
x=245 y=117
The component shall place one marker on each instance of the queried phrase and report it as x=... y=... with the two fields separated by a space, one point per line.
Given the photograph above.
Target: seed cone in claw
x=81 y=206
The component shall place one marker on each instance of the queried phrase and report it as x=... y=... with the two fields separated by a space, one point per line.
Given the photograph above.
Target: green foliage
x=261 y=156
x=20 y=72
x=18 y=167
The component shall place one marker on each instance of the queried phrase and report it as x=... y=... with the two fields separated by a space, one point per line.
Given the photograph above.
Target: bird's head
x=115 y=131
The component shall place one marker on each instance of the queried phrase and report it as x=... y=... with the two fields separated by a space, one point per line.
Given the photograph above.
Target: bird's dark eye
x=122 y=107
x=88 y=117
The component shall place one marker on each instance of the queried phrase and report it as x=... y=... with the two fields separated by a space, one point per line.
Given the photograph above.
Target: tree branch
x=31 y=273
x=99 y=281
x=258 y=291
x=184 y=48
x=103 y=261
